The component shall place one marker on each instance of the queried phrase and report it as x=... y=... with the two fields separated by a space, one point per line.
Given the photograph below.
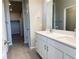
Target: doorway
x=19 y=21
x=16 y=20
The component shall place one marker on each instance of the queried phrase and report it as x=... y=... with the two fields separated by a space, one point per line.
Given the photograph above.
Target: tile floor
x=19 y=51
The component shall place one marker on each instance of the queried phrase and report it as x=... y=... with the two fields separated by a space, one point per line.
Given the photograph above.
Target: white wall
x=35 y=9
x=8 y=25
x=15 y=16
x=3 y=34
x=47 y=14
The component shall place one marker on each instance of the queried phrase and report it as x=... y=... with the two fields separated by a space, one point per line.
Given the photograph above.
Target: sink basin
x=59 y=36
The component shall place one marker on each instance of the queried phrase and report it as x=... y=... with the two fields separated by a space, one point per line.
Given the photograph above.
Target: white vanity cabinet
x=54 y=53
x=44 y=50
x=68 y=57
x=38 y=45
x=41 y=46
x=51 y=49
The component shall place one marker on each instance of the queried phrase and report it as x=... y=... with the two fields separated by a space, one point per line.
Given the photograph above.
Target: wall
x=35 y=9
x=15 y=16
x=47 y=14
x=60 y=5
x=3 y=33
x=21 y=25
x=8 y=25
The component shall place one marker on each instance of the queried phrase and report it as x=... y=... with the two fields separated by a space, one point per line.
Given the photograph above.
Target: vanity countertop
x=68 y=40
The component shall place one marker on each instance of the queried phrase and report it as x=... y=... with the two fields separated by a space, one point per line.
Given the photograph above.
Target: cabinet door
x=44 y=50
x=68 y=57
x=41 y=46
x=54 y=53
x=38 y=46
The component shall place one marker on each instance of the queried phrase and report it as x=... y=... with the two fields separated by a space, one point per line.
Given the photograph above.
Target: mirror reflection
x=64 y=15
x=70 y=18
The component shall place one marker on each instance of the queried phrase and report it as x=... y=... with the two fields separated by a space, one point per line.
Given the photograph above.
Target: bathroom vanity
x=56 y=45
x=61 y=42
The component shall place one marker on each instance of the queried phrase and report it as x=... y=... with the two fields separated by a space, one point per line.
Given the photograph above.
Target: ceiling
x=16 y=6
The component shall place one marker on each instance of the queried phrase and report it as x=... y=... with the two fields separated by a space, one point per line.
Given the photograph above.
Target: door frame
x=4 y=33
x=25 y=11
x=54 y=15
x=7 y=21
x=7 y=16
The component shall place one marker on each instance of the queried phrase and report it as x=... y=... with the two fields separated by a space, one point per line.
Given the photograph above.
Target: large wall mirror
x=64 y=15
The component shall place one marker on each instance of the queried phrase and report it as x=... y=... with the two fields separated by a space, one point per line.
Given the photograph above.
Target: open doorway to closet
x=16 y=20
x=19 y=21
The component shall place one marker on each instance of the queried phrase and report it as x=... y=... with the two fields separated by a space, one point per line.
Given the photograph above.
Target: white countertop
x=62 y=38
